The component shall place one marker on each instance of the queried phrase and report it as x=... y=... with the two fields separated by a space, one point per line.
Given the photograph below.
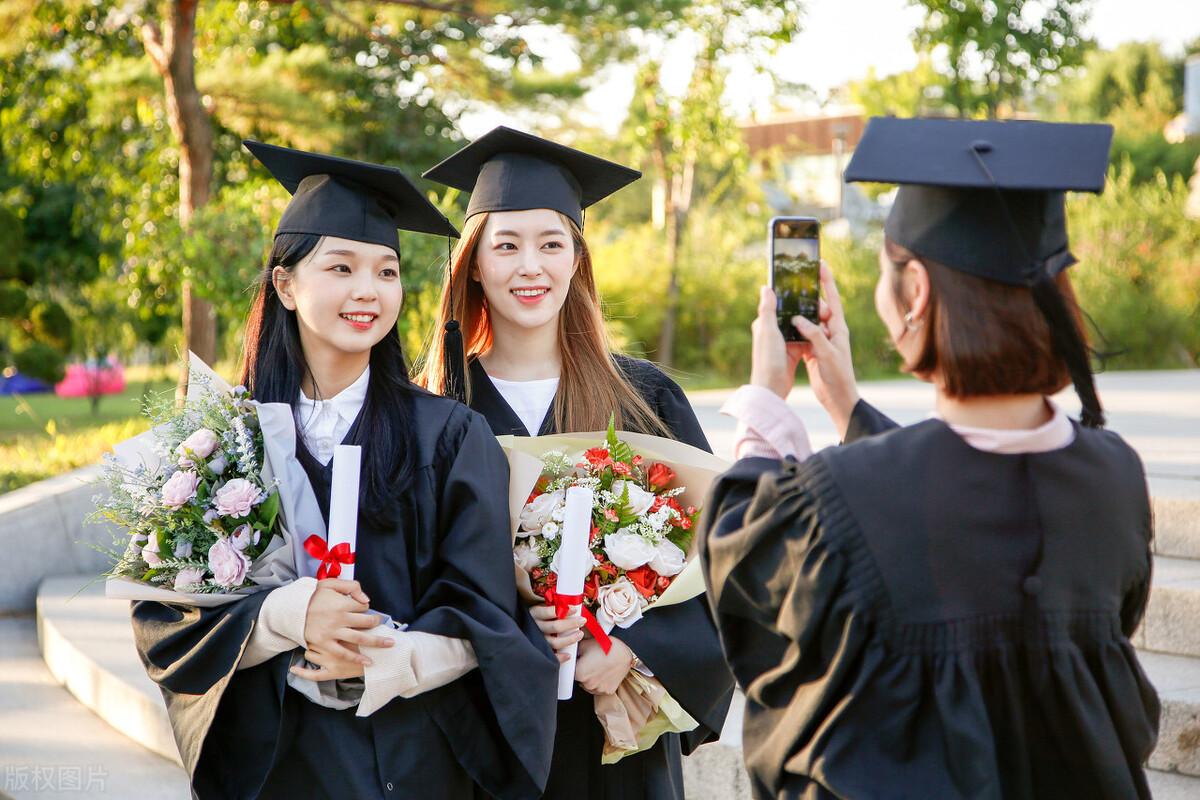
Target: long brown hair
x=984 y=337
x=591 y=385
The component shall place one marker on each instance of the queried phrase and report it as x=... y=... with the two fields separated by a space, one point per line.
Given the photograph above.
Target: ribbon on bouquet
x=331 y=558
x=562 y=608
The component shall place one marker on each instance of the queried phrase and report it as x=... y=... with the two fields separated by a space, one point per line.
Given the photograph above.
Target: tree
x=676 y=136
x=920 y=91
x=994 y=52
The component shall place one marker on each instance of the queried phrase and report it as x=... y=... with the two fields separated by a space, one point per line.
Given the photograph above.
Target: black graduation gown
x=678 y=643
x=444 y=569
x=912 y=618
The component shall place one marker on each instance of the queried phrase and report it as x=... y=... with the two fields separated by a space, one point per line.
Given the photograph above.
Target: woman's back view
x=942 y=610
x=913 y=617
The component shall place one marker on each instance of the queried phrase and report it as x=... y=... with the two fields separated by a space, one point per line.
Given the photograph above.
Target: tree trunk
x=171 y=48
x=677 y=214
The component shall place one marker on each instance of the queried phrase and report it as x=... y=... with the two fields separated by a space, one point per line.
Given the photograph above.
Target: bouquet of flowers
x=200 y=509
x=645 y=492
x=640 y=532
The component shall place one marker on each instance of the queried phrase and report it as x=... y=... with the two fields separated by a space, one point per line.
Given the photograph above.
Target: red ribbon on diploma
x=562 y=607
x=331 y=558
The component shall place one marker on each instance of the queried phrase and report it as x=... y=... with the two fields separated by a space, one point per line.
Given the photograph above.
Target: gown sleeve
x=782 y=599
x=866 y=420
x=1133 y=604
x=474 y=597
x=193 y=655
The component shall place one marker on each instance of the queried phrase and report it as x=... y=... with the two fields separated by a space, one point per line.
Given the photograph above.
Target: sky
x=840 y=41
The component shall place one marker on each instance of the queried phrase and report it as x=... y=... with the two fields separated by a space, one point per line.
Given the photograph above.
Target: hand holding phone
x=795 y=272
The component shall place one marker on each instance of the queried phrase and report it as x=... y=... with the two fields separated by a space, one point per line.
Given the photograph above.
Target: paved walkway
x=1158 y=413
x=51 y=746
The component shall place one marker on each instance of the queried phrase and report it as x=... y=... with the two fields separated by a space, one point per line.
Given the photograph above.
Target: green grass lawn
x=42 y=435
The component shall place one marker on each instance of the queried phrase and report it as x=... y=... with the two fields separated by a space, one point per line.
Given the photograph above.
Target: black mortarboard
x=507 y=170
x=988 y=199
x=350 y=199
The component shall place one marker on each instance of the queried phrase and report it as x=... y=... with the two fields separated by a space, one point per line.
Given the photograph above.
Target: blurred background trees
x=110 y=229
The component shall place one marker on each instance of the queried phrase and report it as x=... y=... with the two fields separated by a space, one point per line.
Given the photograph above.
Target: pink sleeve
x=767 y=427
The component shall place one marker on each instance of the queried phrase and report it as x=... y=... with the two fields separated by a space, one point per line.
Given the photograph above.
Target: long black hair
x=273 y=368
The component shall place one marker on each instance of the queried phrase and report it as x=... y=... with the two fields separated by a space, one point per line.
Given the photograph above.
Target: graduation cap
x=507 y=170
x=989 y=199
x=356 y=200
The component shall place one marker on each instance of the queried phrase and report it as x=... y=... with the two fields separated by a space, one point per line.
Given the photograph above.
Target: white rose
x=628 y=550
x=639 y=499
x=668 y=559
x=619 y=604
x=525 y=557
x=536 y=514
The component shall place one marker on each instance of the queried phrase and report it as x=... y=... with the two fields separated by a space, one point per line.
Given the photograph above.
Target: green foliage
x=996 y=50
x=920 y=91
x=1139 y=275
x=14 y=299
x=50 y=324
x=41 y=361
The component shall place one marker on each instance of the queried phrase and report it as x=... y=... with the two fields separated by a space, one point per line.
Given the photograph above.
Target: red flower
x=590 y=585
x=534 y=495
x=663 y=582
x=621 y=468
x=691 y=511
x=685 y=523
x=673 y=503
x=660 y=476
x=594 y=537
x=637 y=460
x=598 y=457
x=643 y=579
x=611 y=515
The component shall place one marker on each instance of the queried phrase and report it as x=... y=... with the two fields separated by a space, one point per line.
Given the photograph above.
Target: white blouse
x=324 y=423
x=529 y=399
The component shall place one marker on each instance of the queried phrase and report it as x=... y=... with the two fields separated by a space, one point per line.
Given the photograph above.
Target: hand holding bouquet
x=645 y=493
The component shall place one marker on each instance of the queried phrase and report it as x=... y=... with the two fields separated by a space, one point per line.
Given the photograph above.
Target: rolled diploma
x=343 y=502
x=575 y=560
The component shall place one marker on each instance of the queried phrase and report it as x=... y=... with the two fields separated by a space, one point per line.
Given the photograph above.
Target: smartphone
x=795 y=271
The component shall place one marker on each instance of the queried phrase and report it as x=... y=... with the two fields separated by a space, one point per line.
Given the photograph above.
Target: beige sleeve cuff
x=280 y=624
x=417 y=663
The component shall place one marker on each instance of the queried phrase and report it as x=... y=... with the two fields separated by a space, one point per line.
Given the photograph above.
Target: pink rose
x=227 y=564
x=200 y=444
x=180 y=488
x=241 y=537
x=187 y=578
x=236 y=498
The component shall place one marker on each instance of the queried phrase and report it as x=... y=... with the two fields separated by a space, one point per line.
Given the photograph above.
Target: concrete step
x=716 y=772
x=1177 y=518
x=1172 y=621
x=87 y=643
x=53 y=747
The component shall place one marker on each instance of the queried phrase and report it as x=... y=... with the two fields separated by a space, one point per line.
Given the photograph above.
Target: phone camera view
x=795 y=268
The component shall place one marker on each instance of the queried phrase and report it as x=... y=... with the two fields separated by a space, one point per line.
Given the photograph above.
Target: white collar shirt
x=323 y=424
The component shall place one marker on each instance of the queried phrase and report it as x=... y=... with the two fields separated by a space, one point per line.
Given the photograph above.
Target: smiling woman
x=539 y=362
x=424 y=667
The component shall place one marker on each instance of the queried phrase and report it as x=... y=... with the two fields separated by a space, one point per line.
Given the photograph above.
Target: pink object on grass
x=90 y=379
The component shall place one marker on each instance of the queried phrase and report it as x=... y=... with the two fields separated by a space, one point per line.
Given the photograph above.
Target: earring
x=911 y=322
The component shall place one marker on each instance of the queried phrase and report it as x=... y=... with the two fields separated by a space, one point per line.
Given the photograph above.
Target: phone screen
x=795 y=270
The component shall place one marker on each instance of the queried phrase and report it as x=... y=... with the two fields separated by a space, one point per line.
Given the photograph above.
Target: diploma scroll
x=575 y=561
x=343 y=502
